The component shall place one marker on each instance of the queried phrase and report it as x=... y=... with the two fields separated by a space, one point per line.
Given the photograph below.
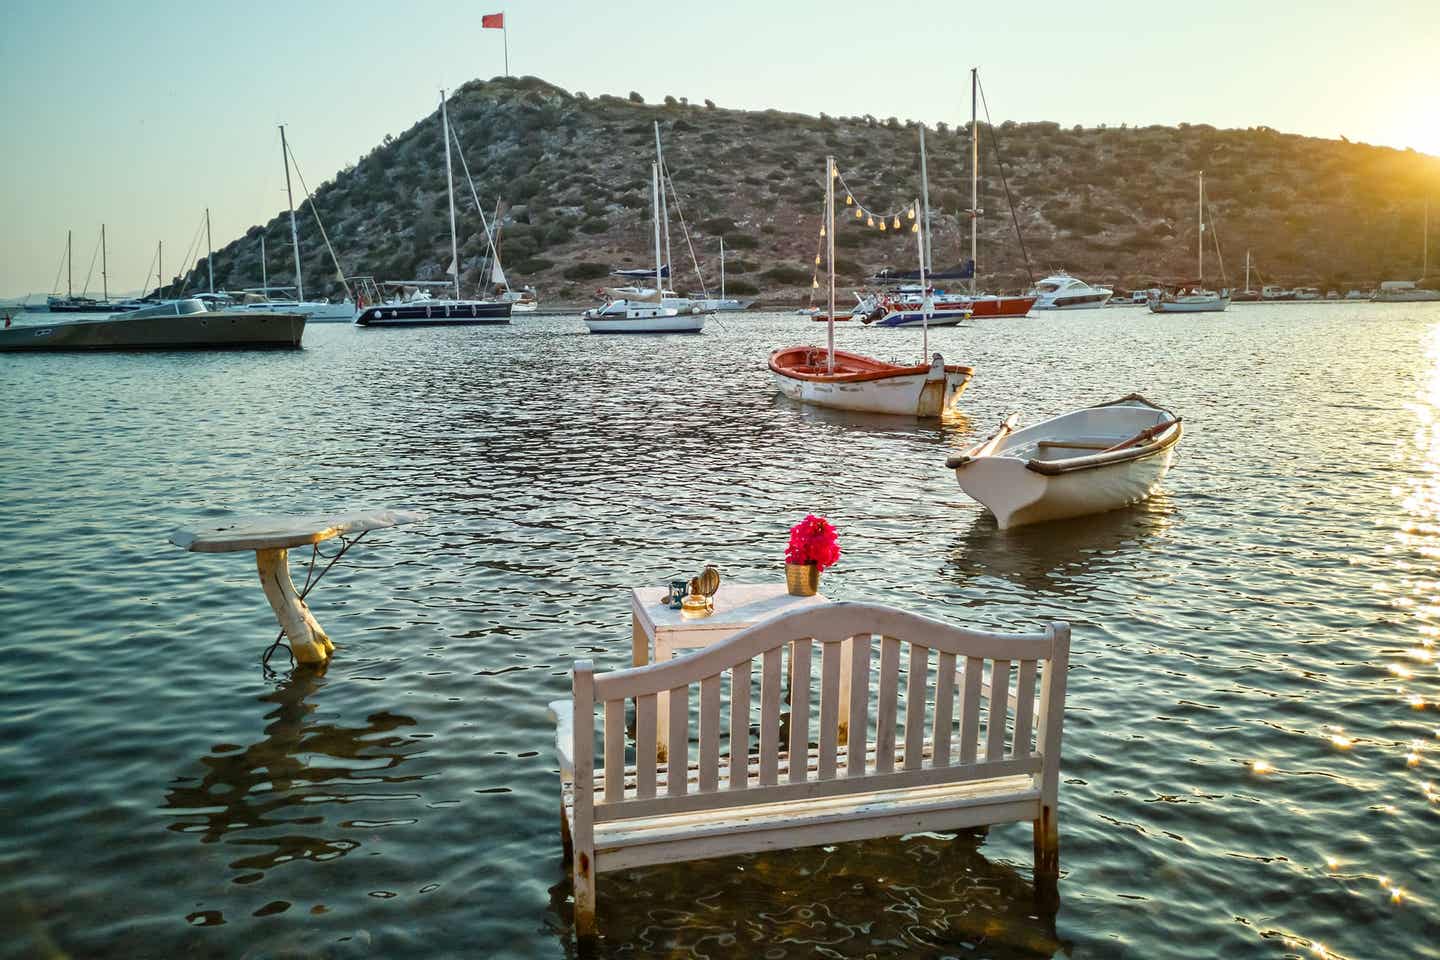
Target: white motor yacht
x=1060 y=291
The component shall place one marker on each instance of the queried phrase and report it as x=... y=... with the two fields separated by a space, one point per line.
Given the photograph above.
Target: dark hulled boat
x=178 y=325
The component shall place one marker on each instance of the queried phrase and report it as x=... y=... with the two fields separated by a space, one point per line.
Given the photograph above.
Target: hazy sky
x=141 y=115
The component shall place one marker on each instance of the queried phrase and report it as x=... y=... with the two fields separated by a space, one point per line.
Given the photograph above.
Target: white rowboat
x=1088 y=461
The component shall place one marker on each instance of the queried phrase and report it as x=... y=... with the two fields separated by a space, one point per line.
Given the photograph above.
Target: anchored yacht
x=1064 y=292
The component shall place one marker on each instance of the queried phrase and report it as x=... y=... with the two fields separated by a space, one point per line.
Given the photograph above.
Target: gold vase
x=802 y=579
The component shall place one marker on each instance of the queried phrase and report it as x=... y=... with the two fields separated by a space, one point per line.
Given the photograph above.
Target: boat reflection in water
x=253 y=796
x=1050 y=557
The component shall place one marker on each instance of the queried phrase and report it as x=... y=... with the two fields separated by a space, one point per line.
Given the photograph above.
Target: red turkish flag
x=493 y=21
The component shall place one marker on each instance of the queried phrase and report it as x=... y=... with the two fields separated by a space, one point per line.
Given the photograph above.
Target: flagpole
x=505 y=37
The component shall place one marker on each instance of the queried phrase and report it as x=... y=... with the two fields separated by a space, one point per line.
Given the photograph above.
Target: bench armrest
x=563 y=713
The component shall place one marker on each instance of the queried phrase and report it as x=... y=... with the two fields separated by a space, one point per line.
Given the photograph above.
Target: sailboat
x=849 y=381
x=1195 y=298
x=83 y=304
x=1408 y=291
x=412 y=304
x=645 y=313
x=722 y=302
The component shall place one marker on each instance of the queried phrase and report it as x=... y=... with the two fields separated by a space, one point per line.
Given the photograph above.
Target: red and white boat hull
x=866 y=385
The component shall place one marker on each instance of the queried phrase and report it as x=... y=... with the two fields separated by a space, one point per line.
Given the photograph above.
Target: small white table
x=271 y=538
x=657 y=632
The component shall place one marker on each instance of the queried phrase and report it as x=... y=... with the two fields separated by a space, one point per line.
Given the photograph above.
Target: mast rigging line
x=1000 y=163
x=680 y=212
x=191 y=257
x=1215 y=235
x=55 y=287
x=315 y=212
x=485 y=224
x=95 y=254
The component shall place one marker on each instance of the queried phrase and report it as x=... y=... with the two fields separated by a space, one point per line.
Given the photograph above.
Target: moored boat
x=1193 y=297
x=174 y=325
x=1088 y=461
x=1060 y=291
x=848 y=381
x=867 y=385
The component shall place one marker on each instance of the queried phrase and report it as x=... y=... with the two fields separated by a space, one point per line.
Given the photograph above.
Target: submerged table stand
x=271 y=538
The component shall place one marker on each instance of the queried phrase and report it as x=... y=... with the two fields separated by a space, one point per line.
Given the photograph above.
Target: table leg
x=663 y=653
x=303 y=633
x=639 y=643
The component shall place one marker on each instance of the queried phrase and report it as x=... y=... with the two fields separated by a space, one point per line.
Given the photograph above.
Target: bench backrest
x=874 y=731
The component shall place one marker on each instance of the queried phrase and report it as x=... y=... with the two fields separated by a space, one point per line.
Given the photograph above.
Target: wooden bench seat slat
x=1024 y=709
x=944 y=706
x=709 y=758
x=739 y=725
x=677 y=744
x=799 y=705
x=645 y=745
x=829 y=709
x=970 y=708
x=885 y=705
x=858 y=726
x=770 y=690
x=916 y=689
x=614 y=750
x=999 y=705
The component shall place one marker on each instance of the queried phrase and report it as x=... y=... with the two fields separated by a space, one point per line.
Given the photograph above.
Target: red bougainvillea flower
x=813 y=540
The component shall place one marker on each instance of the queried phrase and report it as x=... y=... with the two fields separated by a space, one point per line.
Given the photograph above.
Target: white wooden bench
x=881 y=753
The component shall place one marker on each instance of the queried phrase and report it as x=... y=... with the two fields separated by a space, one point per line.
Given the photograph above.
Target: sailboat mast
x=1200 y=242
x=830 y=259
x=655 y=213
x=450 y=186
x=264 y=271
x=974 y=173
x=209 y=251
x=104 y=267
x=925 y=300
x=1425 y=245
x=664 y=210
x=69 y=279
x=722 y=268
x=160 y=269
x=924 y=205
x=1247 y=271
x=294 y=231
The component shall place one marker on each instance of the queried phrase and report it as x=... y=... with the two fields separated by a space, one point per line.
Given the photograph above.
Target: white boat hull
x=1004 y=479
x=1191 y=305
x=689 y=323
x=918 y=395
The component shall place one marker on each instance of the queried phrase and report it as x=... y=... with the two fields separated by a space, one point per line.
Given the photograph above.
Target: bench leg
x=584 y=879
x=1047 y=845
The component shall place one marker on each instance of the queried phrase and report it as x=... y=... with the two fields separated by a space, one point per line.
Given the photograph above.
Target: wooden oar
x=1147 y=434
x=1007 y=427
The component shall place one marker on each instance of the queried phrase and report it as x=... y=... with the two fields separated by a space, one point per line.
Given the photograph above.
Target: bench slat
x=614 y=750
x=645 y=745
x=944 y=707
x=916 y=686
x=886 y=704
x=678 y=743
x=999 y=705
x=829 y=708
x=799 y=705
x=858 y=725
x=770 y=687
x=1024 y=709
x=665 y=806
x=739 y=725
x=709 y=734
x=970 y=709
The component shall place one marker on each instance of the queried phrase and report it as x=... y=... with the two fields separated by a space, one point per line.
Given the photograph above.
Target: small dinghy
x=1088 y=461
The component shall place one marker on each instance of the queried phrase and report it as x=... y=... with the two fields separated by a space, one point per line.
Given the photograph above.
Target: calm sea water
x=1277 y=605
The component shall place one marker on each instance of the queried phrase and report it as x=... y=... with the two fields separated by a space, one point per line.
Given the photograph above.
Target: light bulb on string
x=849 y=200
x=914 y=228
x=897 y=221
x=817 y=259
x=882 y=226
x=814 y=283
x=859 y=214
x=869 y=221
x=822 y=231
x=912 y=213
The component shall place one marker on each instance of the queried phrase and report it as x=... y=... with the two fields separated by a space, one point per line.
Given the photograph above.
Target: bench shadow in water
x=922 y=895
x=1050 y=557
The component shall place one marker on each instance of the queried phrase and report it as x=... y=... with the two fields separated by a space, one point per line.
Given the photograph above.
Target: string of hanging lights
x=883 y=221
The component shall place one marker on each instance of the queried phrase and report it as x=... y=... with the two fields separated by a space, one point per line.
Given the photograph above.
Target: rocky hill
x=1110 y=204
